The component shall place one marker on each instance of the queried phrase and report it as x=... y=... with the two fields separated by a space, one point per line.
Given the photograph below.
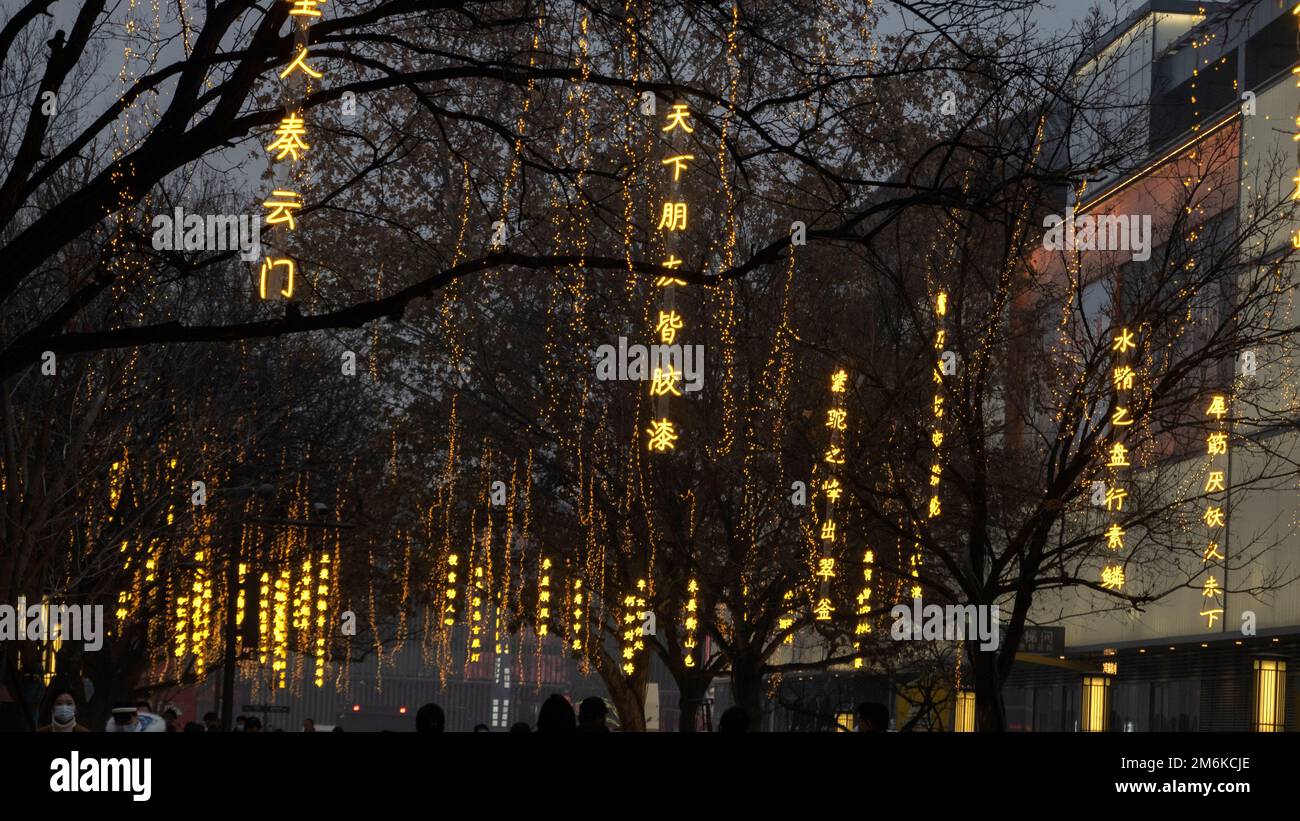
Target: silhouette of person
x=556 y=716
x=430 y=719
x=734 y=720
x=591 y=715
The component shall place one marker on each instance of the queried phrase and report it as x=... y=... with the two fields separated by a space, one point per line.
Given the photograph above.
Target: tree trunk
x=747 y=688
x=990 y=712
x=628 y=695
x=690 y=700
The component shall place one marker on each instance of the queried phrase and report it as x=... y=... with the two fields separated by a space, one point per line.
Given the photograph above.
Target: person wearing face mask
x=63 y=715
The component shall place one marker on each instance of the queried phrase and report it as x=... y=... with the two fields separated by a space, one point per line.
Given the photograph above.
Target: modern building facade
x=1214 y=87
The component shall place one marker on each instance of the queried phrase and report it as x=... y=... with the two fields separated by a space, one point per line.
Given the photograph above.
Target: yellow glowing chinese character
x=1214 y=516
x=677 y=117
x=831 y=487
x=268 y=265
x=678 y=163
x=662 y=435
x=1115 y=537
x=671 y=263
x=1125 y=341
x=823 y=610
x=1218 y=407
x=1211 y=552
x=289 y=138
x=674 y=216
x=665 y=383
x=1120 y=418
x=301 y=62
x=939 y=337
x=828 y=530
x=1211 y=588
x=936 y=438
x=1123 y=378
x=839 y=380
x=1212 y=613
x=938 y=406
x=306 y=8
x=282 y=210
x=834 y=455
x=941 y=303
x=1216 y=443
x=1112 y=577
x=935 y=510
x=936 y=471
x=826 y=568
x=1115 y=497
x=1214 y=481
x=835 y=418
x=669 y=324
x=1118 y=456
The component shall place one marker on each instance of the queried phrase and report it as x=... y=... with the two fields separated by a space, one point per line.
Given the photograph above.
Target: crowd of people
x=555 y=716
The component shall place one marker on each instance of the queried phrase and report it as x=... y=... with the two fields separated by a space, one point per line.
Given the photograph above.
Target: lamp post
x=1094 y=713
x=1269 y=714
x=964 y=712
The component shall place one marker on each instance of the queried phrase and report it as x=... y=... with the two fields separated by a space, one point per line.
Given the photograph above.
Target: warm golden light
x=1094 y=713
x=1270 y=695
x=964 y=716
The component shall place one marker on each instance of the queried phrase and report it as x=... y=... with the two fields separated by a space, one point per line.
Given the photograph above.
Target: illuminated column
x=863 y=611
x=1215 y=514
x=278 y=271
x=200 y=611
x=476 y=592
x=280 y=630
x=831 y=491
x=634 y=605
x=934 y=508
x=963 y=720
x=1094 y=707
x=544 y=598
x=691 y=622
x=1122 y=380
x=577 y=614
x=673 y=220
x=264 y=617
x=449 y=589
x=322 y=605
x=1270 y=695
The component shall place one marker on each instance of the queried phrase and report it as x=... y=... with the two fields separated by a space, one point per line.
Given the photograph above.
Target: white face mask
x=63 y=713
